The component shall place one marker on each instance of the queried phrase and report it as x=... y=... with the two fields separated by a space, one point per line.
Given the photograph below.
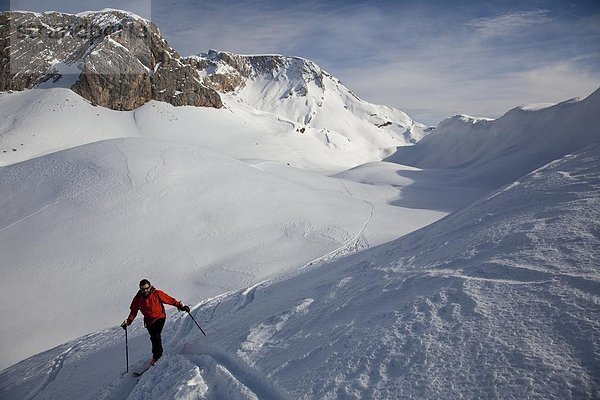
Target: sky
x=430 y=59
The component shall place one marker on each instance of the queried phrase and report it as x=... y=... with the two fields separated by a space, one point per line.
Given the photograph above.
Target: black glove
x=184 y=308
x=124 y=324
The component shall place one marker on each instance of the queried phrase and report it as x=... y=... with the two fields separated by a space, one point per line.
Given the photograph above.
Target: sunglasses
x=145 y=289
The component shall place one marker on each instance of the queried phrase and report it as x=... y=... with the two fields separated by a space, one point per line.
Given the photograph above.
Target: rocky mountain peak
x=301 y=91
x=112 y=58
x=227 y=72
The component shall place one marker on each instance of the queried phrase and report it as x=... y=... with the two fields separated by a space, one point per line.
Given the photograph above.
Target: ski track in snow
x=358 y=242
x=60 y=199
x=55 y=368
x=197 y=370
x=119 y=389
x=350 y=246
x=30 y=215
x=243 y=373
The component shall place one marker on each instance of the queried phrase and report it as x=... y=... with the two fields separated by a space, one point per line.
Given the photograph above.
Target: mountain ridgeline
x=119 y=60
x=491 y=153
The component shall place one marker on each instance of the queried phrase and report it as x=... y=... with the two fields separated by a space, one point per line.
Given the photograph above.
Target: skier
x=150 y=301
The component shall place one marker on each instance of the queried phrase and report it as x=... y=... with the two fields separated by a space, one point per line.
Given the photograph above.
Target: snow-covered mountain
x=497 y=152
x=497 y=300
x=304 y=93
x=120 y=61
x=41 y=121
x=273 y=212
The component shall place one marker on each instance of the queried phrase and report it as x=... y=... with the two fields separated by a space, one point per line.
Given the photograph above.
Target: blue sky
x=430 y=59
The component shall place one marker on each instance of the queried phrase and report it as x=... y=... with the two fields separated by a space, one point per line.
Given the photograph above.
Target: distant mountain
x=496 y=152
x=304 y=93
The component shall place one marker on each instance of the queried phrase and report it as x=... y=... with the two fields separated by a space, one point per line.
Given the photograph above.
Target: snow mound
x=41 y=121
x=499 y=300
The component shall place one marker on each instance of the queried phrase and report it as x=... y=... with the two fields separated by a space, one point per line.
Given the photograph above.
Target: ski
x=141 y=372
x=140 y=368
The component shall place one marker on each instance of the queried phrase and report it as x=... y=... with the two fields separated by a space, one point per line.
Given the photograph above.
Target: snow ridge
x=497 y=152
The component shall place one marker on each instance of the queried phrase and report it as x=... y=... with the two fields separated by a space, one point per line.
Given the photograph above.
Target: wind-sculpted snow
x=498 y=300
x=490 y=153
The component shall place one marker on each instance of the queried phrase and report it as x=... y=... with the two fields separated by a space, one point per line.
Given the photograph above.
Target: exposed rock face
x=114 y=59
x=227 y=72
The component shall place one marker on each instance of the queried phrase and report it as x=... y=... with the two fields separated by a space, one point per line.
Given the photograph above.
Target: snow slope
x=87 y=223
x=253 y=204
x=41 y=121
x=430 y=189
x=300 y=91
x=491 y=153
x=498 y=300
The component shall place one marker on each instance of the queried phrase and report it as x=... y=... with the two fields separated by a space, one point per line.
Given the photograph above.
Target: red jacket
x=152 y=307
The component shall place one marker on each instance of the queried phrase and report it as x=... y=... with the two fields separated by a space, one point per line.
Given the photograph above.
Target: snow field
x=41 y=121
x=498 y=300
x=478 y=304
x=98 y=217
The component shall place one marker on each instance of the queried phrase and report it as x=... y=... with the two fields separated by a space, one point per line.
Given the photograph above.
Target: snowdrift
x=499 y=300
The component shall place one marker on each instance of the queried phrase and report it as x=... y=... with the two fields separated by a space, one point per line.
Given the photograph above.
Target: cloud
x=509 y=23
x=432 y=93
x=474 y=57
x=310 y=29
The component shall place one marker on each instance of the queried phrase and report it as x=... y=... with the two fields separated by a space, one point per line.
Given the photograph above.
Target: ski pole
x=126 y=350
x=190 y=314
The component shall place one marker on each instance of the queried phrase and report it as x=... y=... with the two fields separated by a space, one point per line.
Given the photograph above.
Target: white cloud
x=432 y=93
x=510 y=23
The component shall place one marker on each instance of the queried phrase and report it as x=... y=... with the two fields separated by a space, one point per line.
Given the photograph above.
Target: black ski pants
x=155 y=329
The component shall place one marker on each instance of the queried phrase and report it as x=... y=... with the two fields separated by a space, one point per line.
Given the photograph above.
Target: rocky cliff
x=112 y=58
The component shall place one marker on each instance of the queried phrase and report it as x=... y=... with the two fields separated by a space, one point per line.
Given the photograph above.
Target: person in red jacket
x=151 y=302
